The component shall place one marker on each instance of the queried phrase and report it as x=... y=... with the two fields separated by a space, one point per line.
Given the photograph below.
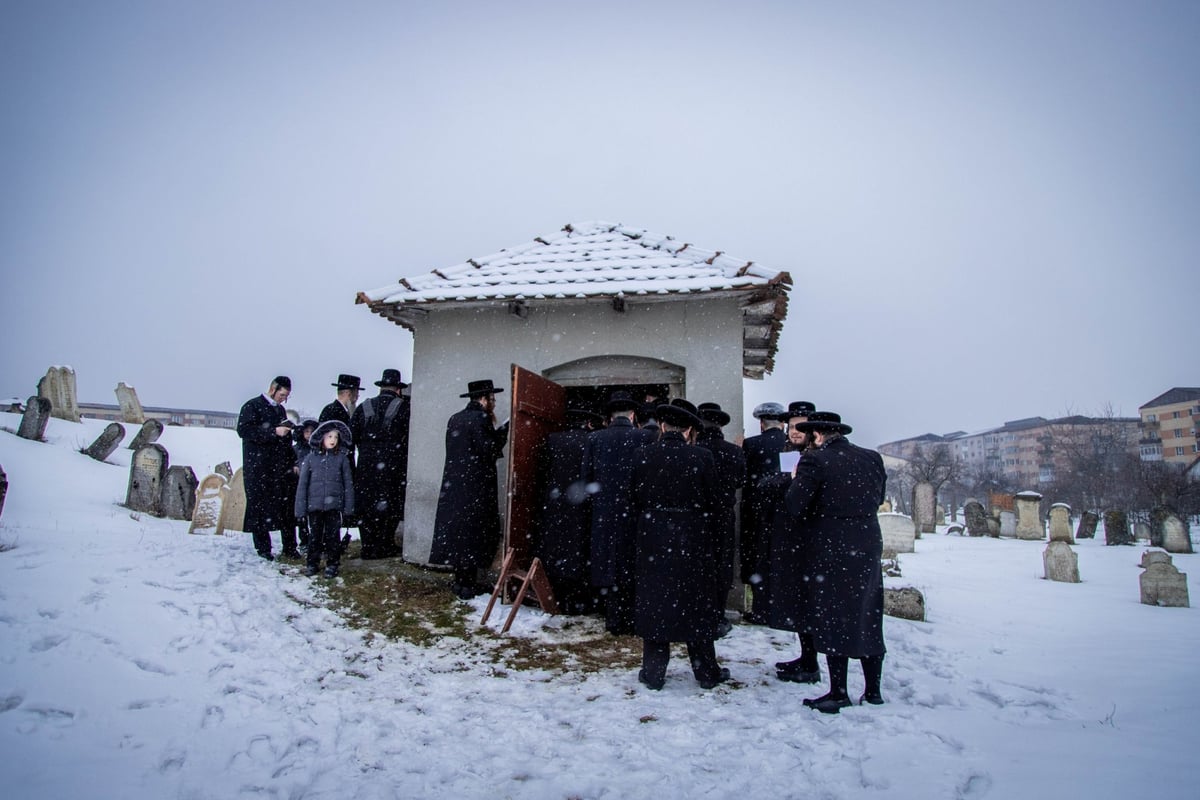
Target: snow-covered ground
x=139 y=661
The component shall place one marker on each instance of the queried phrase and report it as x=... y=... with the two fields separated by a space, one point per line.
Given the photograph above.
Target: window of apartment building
x=1179 y=433
x=1152 y=418
x=1178 y=451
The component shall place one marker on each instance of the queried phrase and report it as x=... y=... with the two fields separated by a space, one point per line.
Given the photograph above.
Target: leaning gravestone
x=35 y=419
x=1141 y=532
x=993 y=524
x=1162 y=583
x=898 y=534
x=151 y=430
x=59 y=388
x=1008 y=524
x=3 y=488
x=976 y=518
x=1060 y=562
x=146 y=475
x=233 y=505
x=1116 y=528
x=206 y=512
x=224 y=470
x=1029 y=518
x=1060 y=523
x=1087 y=525
x=131 y=407
x=924 y=508
x=178 y=493
x=905 y=603
x=1170 y=532
x=106 y=442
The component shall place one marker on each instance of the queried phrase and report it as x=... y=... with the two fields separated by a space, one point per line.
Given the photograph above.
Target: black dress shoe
x=722 y=676
x=873 y=699
x=266 y=556
x=828 y=703
x=792 y=672
x=649 y=684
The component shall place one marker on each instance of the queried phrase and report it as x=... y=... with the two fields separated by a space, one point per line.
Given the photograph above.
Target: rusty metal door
x=538 y=409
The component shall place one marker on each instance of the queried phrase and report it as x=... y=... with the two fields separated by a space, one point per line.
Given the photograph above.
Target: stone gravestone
x=993 y=524
x=178 y=493
x=1170 y=532
x=58 y=386
x=233 y=505
x=1087 y=525
x=905 y=603
x=206 y=512
x=151 y=430
x=3 y=488
x=976 y=518
x=1008 y=524
x=1060 y=523
x=131 y=407
x=954 y=529
x=1162 y=583
x=106 y=442
x=1116 y=528
x=1141 y=532
x=1029 y=517
x=1060 y=562
x=898 y=534
x=146 y=475
x=224 y=470
x=35 y=419
x=886 y=507
x=923 y=508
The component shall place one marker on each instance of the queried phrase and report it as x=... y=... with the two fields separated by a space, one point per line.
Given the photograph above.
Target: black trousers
x=378 y=536
x=619 y=606
x=702 y=653
x=324 y=538
x=262 y=542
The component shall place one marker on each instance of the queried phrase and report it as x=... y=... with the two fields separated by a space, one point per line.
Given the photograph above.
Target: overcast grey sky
x=989 y=209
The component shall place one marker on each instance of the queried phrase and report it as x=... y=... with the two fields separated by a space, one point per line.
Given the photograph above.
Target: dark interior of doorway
x=593 y=398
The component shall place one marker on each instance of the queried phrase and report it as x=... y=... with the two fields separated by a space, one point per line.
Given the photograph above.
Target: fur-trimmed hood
x=345 y=441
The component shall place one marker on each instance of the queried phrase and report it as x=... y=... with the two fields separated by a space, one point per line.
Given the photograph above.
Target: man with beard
x=379 y=429
x=762 y=460
x=607 y=473
x=836 y=494
x=267 y=460
x=342 y=408
x=466 y=530
x=676 y=500
x=730 y=461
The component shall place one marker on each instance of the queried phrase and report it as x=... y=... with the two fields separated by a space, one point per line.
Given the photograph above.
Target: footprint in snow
x=150 y=666
x=47 y=643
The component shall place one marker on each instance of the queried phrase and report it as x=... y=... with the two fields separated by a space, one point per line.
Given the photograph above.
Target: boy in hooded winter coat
x=325 y=493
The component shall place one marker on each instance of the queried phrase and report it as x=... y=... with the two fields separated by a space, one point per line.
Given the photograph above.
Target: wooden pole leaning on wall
x=534 y=577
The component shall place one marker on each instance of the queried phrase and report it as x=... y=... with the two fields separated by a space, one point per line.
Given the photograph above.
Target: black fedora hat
x=621 y=400
x=345 y=381
x=391 y=377
x=711 y=412
x=824 y=421
x=575 y=412
x=480 y=389
x=678 y=412
x=798 y=408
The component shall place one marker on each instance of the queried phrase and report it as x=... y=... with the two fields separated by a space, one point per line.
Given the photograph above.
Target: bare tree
x=936 y=465
x=1094 y=460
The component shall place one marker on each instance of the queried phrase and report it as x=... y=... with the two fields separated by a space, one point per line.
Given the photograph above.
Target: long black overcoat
x=267 y=462
x=785 y=562
x=836 y=496
x=608 y=471
x=564 y=533
x=762 y=460
x=381 y=469
x=466 y=530
x=731 y=475
x=678 y=538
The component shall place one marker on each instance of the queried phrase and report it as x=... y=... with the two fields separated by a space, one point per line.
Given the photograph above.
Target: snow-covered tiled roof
x=600 y=260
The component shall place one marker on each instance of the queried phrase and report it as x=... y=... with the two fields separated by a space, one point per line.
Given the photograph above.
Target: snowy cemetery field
x=139 y=661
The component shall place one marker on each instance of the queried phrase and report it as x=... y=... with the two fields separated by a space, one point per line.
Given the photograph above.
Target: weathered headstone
x=898 y=534
x=146 y=474
x=131 y=407
x=1060 y=562
x=905 y=603
x=1087 y=525
x=1060 y=523
x=1029 y=517
x=108 y=441
x=151 y=430
x=233 y=505
x=976 y=518
x=1141 y=532
x=1170 y=531
x=1116 y=528
x=58 y=386
x=954 y=529
x=1162 y=583
x=924 y=506
x=1008 y=524
x=224 y=470
x=3 y=488
x=178 y=493
x=993 y=526
x=35 y=419
x=206 y=512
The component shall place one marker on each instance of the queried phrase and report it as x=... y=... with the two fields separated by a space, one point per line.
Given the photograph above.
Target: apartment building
x=1169 y=426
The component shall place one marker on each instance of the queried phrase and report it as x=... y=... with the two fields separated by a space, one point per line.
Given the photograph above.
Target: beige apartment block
x=1169 y=424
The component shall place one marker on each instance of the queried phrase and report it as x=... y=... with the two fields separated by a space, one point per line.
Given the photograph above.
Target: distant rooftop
x=1179 y=394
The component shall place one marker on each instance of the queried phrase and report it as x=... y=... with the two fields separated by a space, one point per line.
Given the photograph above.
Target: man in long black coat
x=379 y=429
x=675 y=496
x=836 y=494
x=342 y=407
x=267 y=461
x=731 y=475
x=762 y=460
x=466 y=530
x=608 y=474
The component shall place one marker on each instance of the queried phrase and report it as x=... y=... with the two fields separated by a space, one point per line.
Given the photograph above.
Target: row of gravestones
x=218 y=502
x=38 y=411
x=58 y=386
x=1161 y=582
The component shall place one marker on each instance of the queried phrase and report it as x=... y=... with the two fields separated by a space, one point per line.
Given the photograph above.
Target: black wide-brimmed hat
x=345 y=381
x=823 y=421
x=480 y=389
x=391 y=377
x=711 y=412
x=578 y=412
x=678 y=412
x=621 y=400
x=799 y=408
